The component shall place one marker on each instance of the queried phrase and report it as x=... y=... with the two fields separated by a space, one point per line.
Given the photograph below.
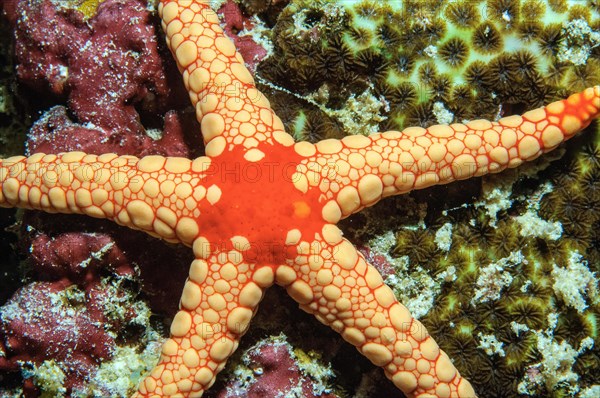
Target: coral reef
x=424 y=63
x=489 y=263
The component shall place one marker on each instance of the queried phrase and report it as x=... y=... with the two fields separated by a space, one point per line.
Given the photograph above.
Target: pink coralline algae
x=42 y=320
x=108 y=70
x=85 y=298
x=55 y=132
x=59 y=250
x=271 y=368
x=235 y=21
x=67 y=255
x=64 y=53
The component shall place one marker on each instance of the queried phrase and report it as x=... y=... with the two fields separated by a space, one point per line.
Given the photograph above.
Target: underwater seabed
x=502 y=270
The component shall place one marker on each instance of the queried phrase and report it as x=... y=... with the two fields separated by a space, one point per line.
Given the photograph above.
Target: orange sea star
x=260 y=209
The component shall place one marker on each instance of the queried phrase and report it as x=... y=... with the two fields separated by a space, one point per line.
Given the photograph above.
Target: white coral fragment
x=534 y=226
x=575 y=283
x=495 y=277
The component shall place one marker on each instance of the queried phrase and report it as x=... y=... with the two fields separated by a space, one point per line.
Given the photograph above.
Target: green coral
x=255 y=6
x=426 y=62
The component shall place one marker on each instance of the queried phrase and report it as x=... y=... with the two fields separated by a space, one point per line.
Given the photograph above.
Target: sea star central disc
x=259 y=204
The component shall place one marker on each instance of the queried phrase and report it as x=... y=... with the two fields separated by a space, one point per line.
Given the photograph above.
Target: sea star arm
x=158 y=195
x=230 y=109
x=219 y=299
x=331 y=279
x=357 y=171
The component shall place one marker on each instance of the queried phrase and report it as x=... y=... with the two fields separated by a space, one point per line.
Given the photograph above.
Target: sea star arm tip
x=229 y=107
x=358 y=171
x=148 y=194
x=218 y=301
x=350 y=296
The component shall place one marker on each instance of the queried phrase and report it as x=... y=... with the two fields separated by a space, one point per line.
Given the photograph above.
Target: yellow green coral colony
x=427 y=62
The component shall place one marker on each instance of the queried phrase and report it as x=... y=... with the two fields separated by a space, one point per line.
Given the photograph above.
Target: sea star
x=260 y=209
